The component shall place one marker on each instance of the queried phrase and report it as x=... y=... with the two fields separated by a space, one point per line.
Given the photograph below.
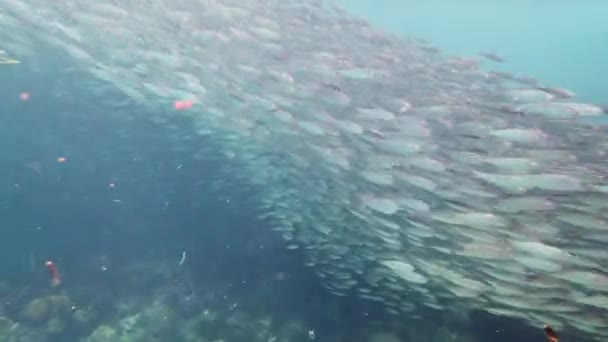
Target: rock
x=37 y=310
x=6 y=326
x=191 y=332
x=128 y=323
x=83 y=318
x=55 y=326
x=384 y=336
x=103 y=333
x=60 y=304
x=444 y=334
x=292 y=330
x=151 y=322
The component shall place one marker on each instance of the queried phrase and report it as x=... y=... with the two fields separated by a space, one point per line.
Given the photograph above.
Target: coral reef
x=176 y=309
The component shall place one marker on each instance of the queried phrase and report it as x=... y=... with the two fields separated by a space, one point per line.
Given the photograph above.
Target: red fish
x=55 y=277
x=551 y=334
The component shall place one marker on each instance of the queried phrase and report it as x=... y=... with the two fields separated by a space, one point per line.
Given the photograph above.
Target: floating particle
x=311 y=334
x=183 y=104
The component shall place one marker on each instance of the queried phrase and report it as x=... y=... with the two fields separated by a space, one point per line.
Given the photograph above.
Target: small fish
x=526 y=80
x=332 y=86
x=183 y=259
x=558 y=92
x=430 y=49
x=551 y=334
x=493 y=57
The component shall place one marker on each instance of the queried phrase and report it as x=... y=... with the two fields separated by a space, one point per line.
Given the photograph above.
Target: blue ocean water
x=562 y=43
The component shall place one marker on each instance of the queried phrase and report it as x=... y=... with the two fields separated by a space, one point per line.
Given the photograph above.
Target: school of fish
x=408 y=177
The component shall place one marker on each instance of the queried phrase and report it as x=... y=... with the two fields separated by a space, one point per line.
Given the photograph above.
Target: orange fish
x=551 y=334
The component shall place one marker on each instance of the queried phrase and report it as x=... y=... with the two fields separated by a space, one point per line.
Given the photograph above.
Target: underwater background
x=561 y=42
x=118 y=227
